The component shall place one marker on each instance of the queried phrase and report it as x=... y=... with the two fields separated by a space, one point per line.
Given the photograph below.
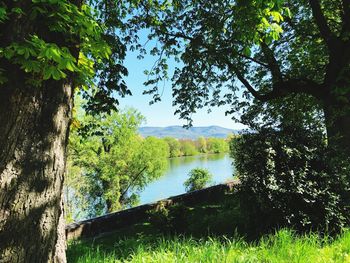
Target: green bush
x=287 y=179
x=198 y=179
x=169 y=219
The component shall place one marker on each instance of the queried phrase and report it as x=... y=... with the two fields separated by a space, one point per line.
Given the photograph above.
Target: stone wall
x=114 y=221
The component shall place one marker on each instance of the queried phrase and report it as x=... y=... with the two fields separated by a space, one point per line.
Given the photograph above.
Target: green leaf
x=47 y=73
x=276 y=16
x=288 y=12
x=55 y=53
x=3 y=14
x=56 y=74
x=265 y=22
x=247 y=51
x=17 y=10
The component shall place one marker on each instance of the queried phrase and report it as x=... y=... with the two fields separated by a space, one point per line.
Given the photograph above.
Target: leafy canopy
x=113 y=162
x=272 y=49
x=212 y=39
x=70 y=41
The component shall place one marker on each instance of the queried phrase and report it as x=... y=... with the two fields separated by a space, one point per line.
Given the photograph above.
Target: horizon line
x=189 y=127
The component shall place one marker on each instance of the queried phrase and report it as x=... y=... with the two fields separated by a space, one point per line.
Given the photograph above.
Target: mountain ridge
x=179 y=132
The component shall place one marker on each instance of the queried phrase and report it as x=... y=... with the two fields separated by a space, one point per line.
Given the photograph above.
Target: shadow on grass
x=221 y=217
x=220 y=224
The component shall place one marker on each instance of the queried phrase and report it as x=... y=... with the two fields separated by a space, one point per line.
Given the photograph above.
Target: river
x=171 y=183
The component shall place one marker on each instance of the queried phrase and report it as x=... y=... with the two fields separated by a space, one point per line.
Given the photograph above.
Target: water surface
x=171 y=183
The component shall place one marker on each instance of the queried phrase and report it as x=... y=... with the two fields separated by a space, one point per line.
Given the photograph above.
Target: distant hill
x=182 y=133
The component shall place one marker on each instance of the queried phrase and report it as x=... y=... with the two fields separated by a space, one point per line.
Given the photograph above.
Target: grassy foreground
x=207 y=231
x=284 y=246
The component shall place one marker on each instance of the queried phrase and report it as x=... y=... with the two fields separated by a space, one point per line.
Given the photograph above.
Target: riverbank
x=149 y=213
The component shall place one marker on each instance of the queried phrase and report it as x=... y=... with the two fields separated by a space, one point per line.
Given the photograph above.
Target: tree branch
x=183 y=36
x=253 y=60
x=272 y=63
x=321 y=22
x=177 y=35
x=302 y=85
x=244 y=81
x=132 y=181
x=229 y=50
x=281 y=89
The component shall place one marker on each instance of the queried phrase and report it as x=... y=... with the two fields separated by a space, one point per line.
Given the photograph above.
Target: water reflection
x=220 y=165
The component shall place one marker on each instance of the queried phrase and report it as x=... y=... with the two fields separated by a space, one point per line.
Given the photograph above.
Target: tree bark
x=337 y=117
x=336 y=103
x=34 y=126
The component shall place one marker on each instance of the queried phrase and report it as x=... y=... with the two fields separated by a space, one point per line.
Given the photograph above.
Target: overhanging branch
x=280 y=89
x=272 y=63
x=244 y=81
x=183 y=36
x=321 y=22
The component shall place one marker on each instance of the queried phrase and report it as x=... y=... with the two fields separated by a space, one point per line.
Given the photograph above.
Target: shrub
x=198 y=179
x=169 y=219
x=287 y=180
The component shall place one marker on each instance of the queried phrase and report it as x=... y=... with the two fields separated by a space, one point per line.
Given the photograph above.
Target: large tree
x=113 y=160
x=272 y=49
x=48 y=48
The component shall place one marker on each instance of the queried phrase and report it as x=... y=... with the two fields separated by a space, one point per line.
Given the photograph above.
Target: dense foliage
x=287 y=180
x=198 y=178
x=110 y=165
x=62 y=39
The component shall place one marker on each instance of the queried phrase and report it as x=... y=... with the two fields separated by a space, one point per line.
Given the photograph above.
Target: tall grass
x=284 y=246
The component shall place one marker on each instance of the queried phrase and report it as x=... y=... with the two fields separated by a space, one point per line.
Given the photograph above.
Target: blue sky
x=162 y=113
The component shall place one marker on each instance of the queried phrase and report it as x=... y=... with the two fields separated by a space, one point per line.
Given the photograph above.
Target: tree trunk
x=34 y=125
x=337 y=116
x=109 y=205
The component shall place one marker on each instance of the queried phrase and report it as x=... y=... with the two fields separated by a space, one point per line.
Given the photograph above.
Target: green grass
x=284 y=246
x=209 y=231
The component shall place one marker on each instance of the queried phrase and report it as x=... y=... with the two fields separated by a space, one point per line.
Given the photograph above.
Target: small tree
x=198 y=179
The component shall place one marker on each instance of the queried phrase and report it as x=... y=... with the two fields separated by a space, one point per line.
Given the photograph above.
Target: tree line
x=187 y=147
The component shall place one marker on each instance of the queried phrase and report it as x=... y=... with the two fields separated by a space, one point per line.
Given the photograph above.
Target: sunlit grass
x=284 y=246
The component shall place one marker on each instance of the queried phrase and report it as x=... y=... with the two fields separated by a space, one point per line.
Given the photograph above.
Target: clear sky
x=162 y=113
